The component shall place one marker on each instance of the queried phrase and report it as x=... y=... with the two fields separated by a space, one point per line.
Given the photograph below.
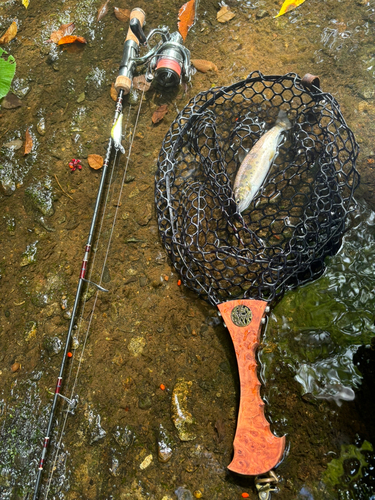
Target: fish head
x=241 y=195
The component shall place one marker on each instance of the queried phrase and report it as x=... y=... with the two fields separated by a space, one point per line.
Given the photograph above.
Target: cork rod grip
x=124 y=82
x=256 y=449
x=141 y=16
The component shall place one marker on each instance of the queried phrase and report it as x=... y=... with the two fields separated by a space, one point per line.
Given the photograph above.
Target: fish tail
x=283 y=120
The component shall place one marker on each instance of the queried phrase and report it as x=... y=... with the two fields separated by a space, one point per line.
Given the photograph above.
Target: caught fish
x=257 y=163
x=116 y=134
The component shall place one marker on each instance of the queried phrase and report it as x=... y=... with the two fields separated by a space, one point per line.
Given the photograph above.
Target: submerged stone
x=39 y=197
x=30 y=330
x=52 y=345
x=124 y=436
x=164 y=445
x=182 y=418
x=183 y=494
x=29 y=255
x=41 y=126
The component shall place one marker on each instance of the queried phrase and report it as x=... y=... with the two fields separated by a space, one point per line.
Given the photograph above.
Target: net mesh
x=296 y=218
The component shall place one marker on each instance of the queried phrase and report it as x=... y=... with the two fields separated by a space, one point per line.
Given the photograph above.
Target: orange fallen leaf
x=225 y=14
x=113 y=92
x=95 y=161
x=71 y=39
x=122 y=14
x=64 y=30
x=10 y=33
x=140 y=83
x=102 y=11
x=186 y=16
x=159 y=114
x=289 y=5
x=203 y=65
x=28 y=143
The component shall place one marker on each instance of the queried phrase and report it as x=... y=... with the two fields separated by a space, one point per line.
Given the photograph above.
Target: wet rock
x=146 y=216
x=30 y=330
x=181 y=417
x=114 y=469
x=144 y=402
x=164 y=445
x=41 y=126
x=95 y=84
x=183 y=494
x=52 y=345
x=11 y=225
x=15 y=367
x=81 y=97
x=124 y=436
x=39 y=198
x=47 y=291
x=11 y=101
x=29 y=255
x=106 y=278
x=262 y=14
x=97 y=431
x=136 y=345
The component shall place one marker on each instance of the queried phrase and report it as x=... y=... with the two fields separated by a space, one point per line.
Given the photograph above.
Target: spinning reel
x=168 y=62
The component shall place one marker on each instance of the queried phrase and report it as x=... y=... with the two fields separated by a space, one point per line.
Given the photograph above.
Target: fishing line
x=91 y=315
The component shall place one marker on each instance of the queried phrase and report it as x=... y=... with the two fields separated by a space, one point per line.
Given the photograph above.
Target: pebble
x=146 y=462
x=30 y=331
x=41 y=126
x=15 y=367
x=136 y=345
x=182 y=418
x=164 y=445
x=183 y=494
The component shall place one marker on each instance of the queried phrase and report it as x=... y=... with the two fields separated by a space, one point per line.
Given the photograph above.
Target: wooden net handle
x=256 y=449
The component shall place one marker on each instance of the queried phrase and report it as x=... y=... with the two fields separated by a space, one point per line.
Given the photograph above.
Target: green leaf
x=7 y=70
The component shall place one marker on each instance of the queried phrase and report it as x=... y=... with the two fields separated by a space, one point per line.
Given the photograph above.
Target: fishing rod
x=168 y=62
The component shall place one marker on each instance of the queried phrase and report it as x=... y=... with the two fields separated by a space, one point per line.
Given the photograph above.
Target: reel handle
x=256 y=449
x=136 y=28
x=130 y=52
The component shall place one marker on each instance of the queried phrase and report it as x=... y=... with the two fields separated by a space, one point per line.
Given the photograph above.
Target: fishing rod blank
x=123 y=86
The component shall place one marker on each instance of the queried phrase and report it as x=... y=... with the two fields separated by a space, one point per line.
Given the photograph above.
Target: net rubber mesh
x=296 y=218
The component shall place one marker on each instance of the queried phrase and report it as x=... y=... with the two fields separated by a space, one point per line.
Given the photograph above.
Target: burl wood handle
x=256 y=449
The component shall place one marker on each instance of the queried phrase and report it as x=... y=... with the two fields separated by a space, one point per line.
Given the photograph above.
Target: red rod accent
x=58 y=385
x=87 y=248
x=83 y=269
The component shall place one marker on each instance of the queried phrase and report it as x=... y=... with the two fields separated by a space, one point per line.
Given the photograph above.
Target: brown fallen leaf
x=186 y=17
x=203 y=65
x=113 y=92
x=10 y=33
x=140 y=83
x=28 y=143
x=102 y=11
x=95 y=161
x=159 y=114
x=64 y=30
x=122 y=14
x=225 y=14
x=71 y=39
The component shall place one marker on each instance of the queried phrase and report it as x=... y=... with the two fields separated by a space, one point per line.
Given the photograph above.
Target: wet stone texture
x=134 y=343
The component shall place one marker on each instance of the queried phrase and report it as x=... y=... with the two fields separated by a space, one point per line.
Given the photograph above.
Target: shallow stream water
x=133 y=344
